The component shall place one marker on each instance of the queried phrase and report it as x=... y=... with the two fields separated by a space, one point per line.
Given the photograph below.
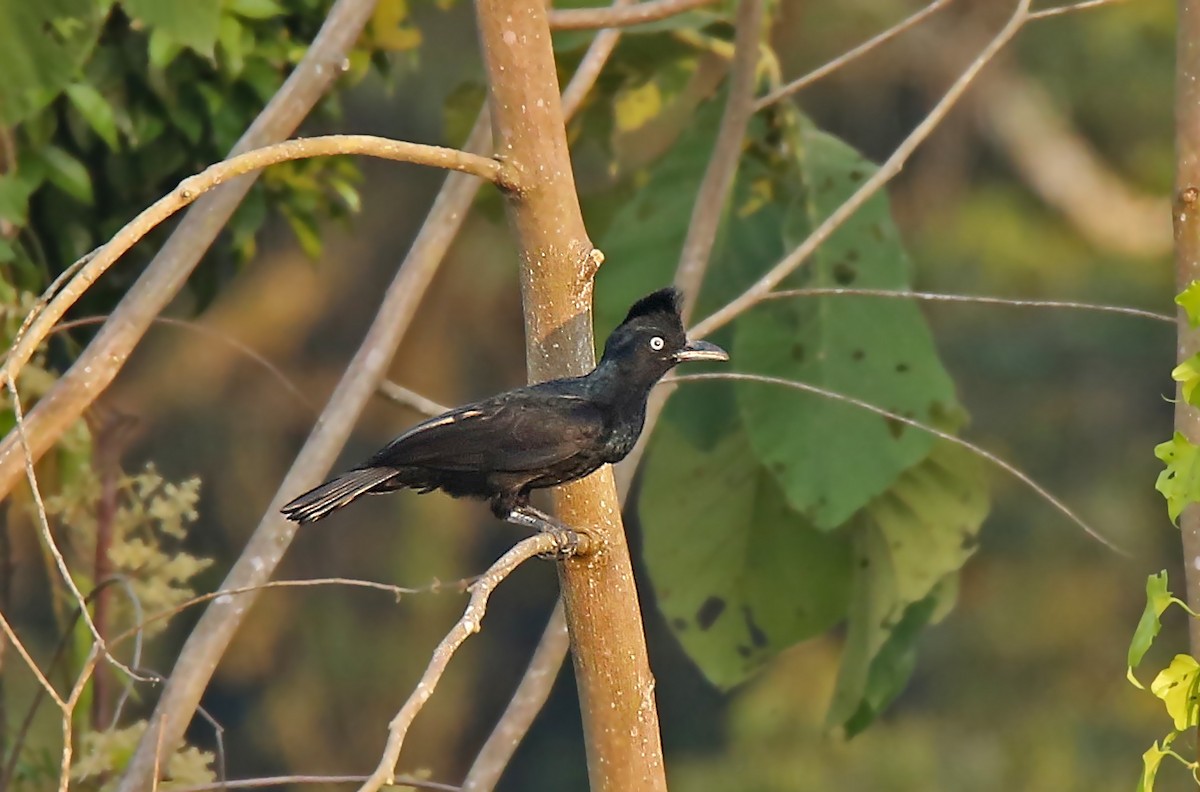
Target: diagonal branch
x=870 y=44
x=727 y=152
x=615 y=16
x=886 y=172
x=464 y=628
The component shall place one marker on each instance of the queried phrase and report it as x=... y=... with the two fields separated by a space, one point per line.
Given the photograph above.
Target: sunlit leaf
x=1189 y=300
x=635 y=106
x=1176 y=686
x=1179 y=483
x=1158 y=599
x=255 y=9
x=1151 y=760
x=193 y=24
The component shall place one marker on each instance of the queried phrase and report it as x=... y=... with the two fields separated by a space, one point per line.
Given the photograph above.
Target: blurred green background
x=1021 y=687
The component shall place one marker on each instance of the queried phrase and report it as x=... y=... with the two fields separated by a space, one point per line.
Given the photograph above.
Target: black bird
x=538 y=436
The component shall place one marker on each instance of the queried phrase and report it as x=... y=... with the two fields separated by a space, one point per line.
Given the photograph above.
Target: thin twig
x=29 y=661
x=870 y=186
x=1046 y=13
x=851 y=55
x=270 y=781
x=616 y=17
x=523 y=707
x=407 y=397
x=727 y=153
x=975 y=449
x=970 y=298
x=68 y=715
x=464 y=628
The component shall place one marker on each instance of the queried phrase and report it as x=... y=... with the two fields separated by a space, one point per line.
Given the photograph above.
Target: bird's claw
x=567 y=543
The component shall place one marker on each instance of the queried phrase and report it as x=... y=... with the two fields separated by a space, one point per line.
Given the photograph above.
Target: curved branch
x=615 y=17
x=464 y=628
x=213 y=176
x=1007 y=467
x=800 y=83
x=886 y=172
x=526 y=703
x=165 y=275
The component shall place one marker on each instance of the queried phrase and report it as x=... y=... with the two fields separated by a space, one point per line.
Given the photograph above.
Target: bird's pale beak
x=700 y=350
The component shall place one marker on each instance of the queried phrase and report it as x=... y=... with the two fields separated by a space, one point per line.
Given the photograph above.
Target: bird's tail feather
x=320 y=501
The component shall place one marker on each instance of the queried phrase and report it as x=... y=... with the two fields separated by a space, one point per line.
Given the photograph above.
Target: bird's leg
x=570 y=542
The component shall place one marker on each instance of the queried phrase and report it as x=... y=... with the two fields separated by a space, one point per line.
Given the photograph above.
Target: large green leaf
x=909 y=544
x=43 y=44
x=831 y=458
x=738 y=574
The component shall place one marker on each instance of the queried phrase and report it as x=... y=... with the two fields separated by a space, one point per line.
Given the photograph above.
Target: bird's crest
x=664 y=301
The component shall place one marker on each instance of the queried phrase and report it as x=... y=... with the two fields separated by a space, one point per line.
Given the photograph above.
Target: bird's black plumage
x=538 y=436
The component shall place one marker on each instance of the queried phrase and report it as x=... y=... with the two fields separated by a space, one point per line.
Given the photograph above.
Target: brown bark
x=616 y=687
x=1187 y=265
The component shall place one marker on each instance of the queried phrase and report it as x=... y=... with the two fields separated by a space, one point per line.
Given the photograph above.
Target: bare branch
x=727 y=152
x=165 y=275
x=270 y=781
x=526 y=703
x=615 y=17
x=616 y=698
x=970 y=298
x=31 y=663
x=886 y=172
x=977 y=450
x=850 y=55
x=464 y=628
x=406 y=397
x=1046 y=13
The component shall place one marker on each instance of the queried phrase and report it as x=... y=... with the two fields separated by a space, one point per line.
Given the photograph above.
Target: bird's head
x=651 y=340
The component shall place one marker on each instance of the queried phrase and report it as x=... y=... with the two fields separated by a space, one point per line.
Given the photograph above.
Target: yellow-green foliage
x=103 y=753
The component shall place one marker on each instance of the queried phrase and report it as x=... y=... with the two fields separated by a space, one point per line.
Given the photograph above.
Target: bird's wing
x=518 y=432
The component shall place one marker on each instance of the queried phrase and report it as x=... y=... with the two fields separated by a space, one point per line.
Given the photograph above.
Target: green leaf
x=44 y=44
x=1158 y=599
x=1151 y=760
x=880 y=351
x=1176 y=686
x=1189 y=300
x=736 y=573
x=1187 y=374
x=15 y=189
x=254 y=9
x=910 y=543
x=96 y=110
x=193 y=24
x=1180 y=482
x=67 y=173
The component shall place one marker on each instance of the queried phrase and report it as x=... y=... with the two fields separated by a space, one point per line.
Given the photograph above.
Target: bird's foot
x=568 y=541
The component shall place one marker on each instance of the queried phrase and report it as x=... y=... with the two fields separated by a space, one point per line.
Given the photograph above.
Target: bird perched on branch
x=538 y=436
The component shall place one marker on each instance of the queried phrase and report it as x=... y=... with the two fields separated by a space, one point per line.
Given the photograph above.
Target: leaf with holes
x=1176 y=685
x=909 y=545
x=1180 y=482
x=738 y=575
x=830 y=457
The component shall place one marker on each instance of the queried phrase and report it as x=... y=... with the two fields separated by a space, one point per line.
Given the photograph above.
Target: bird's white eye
x=657 y=343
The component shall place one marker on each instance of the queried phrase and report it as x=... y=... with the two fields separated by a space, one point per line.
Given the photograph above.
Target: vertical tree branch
x=727 y=152
x=1187 y=265
x=611 y=667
